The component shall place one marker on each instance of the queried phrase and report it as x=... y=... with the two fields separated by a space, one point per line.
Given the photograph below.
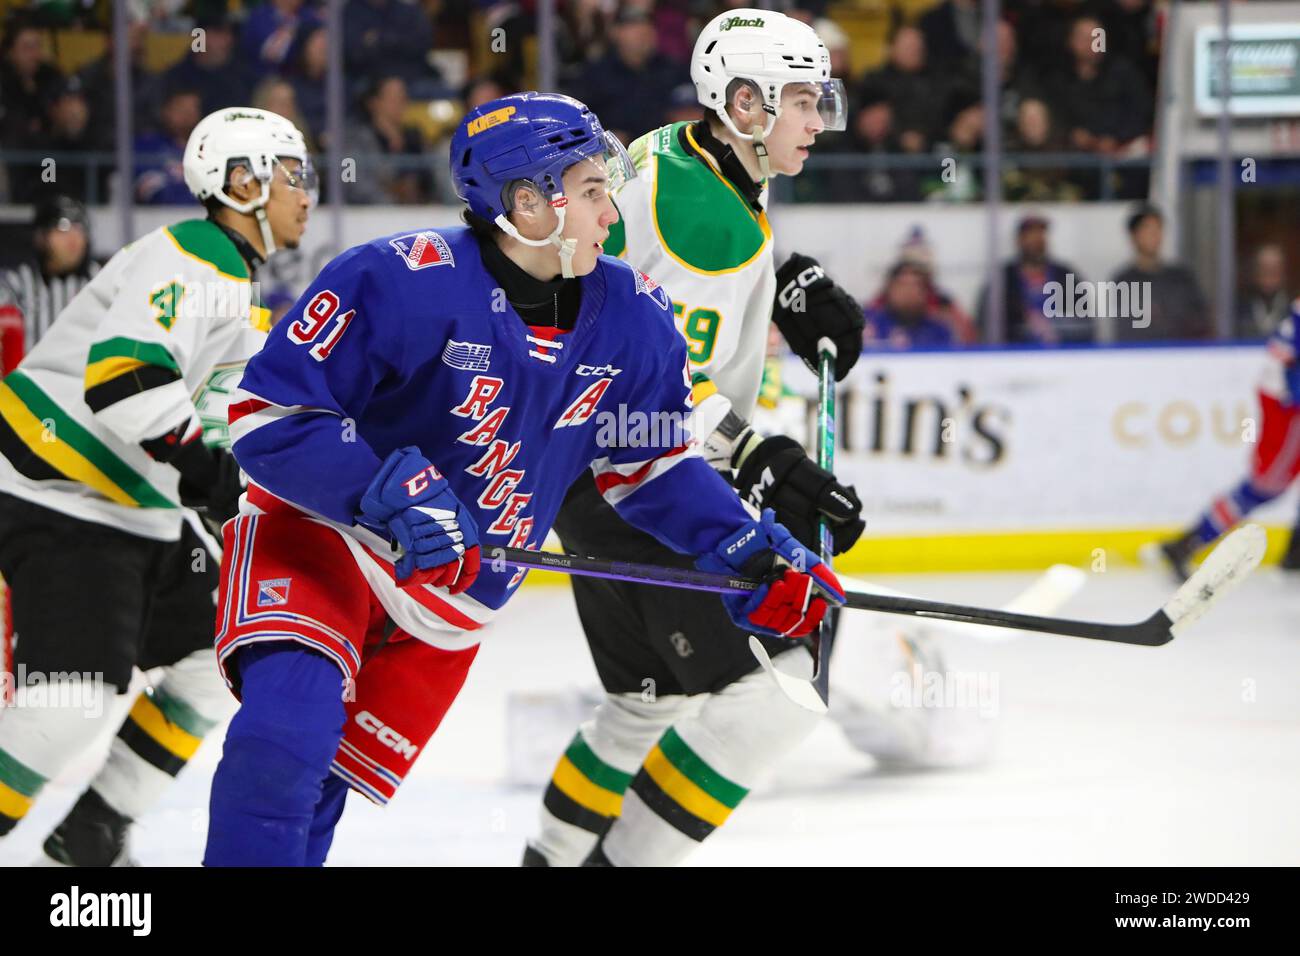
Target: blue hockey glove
x=413 y=502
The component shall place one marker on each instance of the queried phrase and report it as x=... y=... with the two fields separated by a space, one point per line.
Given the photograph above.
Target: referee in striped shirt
x=35 y=291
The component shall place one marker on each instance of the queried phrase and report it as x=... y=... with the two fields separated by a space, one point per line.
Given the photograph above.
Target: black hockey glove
x=210 y=482
x=776 y=473
x=809 y=307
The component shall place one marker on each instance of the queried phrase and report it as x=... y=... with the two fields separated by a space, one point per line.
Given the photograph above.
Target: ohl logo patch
x=273 y=592
x=420 y=250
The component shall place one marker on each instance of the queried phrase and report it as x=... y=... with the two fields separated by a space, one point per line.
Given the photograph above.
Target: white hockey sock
x=705 y=764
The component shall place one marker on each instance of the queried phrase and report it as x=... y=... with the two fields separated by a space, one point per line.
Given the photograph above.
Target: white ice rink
x=1181 y=755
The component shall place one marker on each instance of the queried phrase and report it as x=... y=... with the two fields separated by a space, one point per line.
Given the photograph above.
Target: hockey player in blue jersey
x=432 y=395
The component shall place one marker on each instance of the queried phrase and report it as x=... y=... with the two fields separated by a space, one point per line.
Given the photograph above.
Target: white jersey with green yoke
x=684 y=224
x=149 y=347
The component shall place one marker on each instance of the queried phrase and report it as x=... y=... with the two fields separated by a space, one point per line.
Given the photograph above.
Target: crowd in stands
x=1044 y=300
x=1076 y=76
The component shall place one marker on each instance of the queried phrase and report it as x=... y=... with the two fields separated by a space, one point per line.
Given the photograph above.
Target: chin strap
x=760 y=150
x=260 y=215
x=567 y=247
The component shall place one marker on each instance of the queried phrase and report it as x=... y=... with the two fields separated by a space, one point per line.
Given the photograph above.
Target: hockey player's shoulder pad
x=699 y=218
x=203 y=241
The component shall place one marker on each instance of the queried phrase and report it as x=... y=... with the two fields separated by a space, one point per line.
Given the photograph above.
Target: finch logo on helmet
x=419 y=250
x=273 y=592
x=648 y=286
x=730 y=22
x=488 y=120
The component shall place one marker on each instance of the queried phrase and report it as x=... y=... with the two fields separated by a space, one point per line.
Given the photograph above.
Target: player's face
x=289 y=204
x=795 y=129
x=589 y=212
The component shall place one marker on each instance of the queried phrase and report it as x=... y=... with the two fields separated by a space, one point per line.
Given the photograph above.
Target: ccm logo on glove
x=420 y=483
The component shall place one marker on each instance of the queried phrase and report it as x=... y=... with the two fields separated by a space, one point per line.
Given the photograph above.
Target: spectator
x=871 y=137
x=1265 y=300
x=1028 y=281
x=683 y=104
x=215 y=71
x=1133 y=31
x=311 y=65
x=1104 y=103
x=70 y=132
x=34 y=289
x=98 y=81
x=1035 y=133
x=28 y=84
x=902 y=318
x=917 y=251
x=276 y=95
x=270 y=31
x=952 y=31
x=382 y=143
x=631 y=85
x=160 y=177
x=392 y=37
x=1176 y=307
x=914 y=92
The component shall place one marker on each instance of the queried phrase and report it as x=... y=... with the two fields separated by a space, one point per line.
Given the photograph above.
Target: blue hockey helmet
x=530 y=139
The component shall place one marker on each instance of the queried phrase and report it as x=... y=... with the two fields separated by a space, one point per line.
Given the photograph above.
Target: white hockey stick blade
x=1223 y=569
x=802 y=692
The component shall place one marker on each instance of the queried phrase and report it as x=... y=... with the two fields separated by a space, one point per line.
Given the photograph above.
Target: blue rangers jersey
x=409 y=340
x=1282 y=374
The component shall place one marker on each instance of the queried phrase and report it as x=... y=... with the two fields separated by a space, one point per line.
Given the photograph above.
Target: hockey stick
x=1235 y=557
x=826 y=354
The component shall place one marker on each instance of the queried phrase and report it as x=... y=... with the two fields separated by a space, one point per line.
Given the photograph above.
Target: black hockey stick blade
x=1234 y=558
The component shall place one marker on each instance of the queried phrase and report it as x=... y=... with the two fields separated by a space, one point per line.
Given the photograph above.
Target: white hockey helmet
x=256 y=139
x=769 y=50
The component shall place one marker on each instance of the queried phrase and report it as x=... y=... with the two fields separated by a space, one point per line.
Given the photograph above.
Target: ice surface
x=1183 y=755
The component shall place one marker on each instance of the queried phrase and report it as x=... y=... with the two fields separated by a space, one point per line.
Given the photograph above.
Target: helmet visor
x=831 y=106
x=618 y=164
x=303 y=178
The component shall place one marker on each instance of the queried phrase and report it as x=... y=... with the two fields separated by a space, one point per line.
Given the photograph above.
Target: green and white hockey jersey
x=149 y=346
x=684 y=224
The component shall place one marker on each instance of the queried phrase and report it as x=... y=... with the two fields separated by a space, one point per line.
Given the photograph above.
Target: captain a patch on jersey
x=419 y=250
x=647 y=286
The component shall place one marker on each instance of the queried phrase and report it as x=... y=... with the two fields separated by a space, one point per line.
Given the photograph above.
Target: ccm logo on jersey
x=420 y=481
x=647 y=286
x=597 y=370
x=387 y=735
x=419 y=250
x=802 y=281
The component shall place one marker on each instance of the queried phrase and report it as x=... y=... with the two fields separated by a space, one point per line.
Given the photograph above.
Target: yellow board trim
x=153 y=722
x=109 y=368
x=12 y=803
x=189 y=255
x=684 y=790
x=578 y=788
x=59 y=454
x=259 y=317
x=760 y=218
